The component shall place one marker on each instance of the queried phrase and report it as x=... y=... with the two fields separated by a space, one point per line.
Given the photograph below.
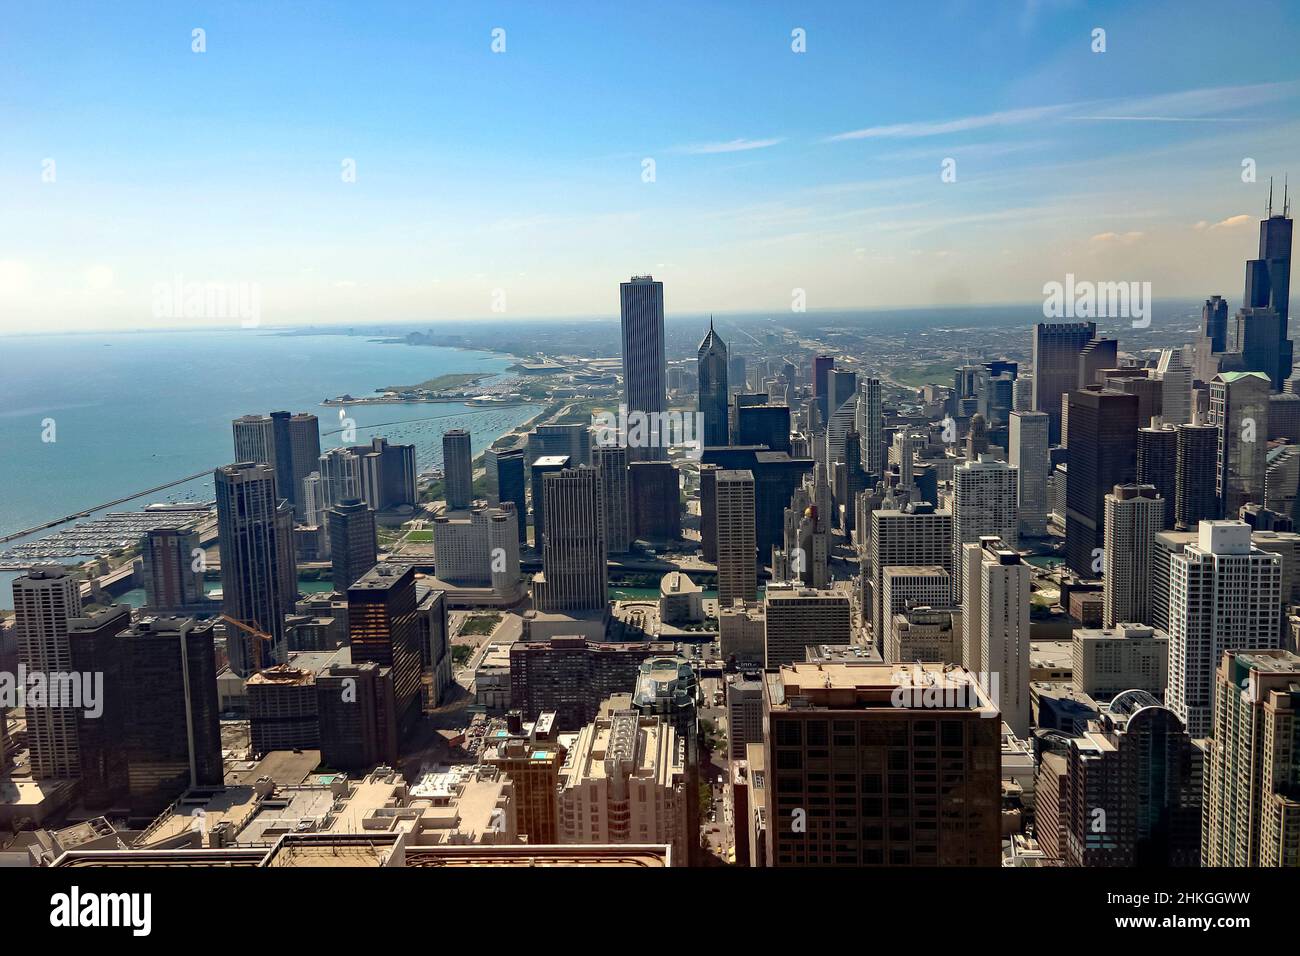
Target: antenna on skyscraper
x=1286 y=202
x=1269 y=214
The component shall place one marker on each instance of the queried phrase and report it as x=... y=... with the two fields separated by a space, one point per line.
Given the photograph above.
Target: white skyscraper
x=870 y=425
x=1224 y=594
x=984 y=503
x=1002 y=628
x=1028 y=455
x=916 y=536
x=1176 y=387
x=1134 y=516
x=44 y=600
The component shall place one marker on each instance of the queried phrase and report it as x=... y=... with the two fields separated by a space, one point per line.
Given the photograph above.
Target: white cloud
x=731 y=146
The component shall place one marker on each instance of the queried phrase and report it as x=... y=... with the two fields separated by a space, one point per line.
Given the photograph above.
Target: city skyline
x=351 y=185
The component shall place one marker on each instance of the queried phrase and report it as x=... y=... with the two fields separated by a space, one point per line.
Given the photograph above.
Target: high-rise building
x=735 y=527
x=1157 y=464
x=767 y=425
x=531 y=758
x=1239 y=411
x=645 y=383
x=841 y=385
x=1131 y=793
x=173 y=569
x=625 y=780
x=983 y=503
x=575 y=572
x=798 y=618
x=158 y=733
x=1175 y=378
x=821 y=368
x=1196 y=495
x=340 y=477
x=1027 y=455
x=776 y=476
x=917 y=535
x=870 y=425
x=356 y=713
x=457 y=469
x=383 y=629
x=1252 y=814
x=1056 y=366
x=540 y=468
x=1096 y=354
x=905 y=587
x=1103 y=453
x=1268 y=288
x=290 y=444
x=711 y=371
x=570 y=439
x=1134 y=516
x=654 y=490
x=478 y=548
x=45 y=600
x=869 y=729
x=996 y=619
x=507 y=482
x=1224 y=594
x=570 y=676
x=353 y=542
x=610 y=462
x=1108 y=661
x=259 y=577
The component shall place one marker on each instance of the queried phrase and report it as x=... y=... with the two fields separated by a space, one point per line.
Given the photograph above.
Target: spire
x=1286 y=202
x=710 y=321
x=1269 y=212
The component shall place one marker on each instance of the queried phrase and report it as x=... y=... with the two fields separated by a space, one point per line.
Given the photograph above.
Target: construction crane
x=260 y=640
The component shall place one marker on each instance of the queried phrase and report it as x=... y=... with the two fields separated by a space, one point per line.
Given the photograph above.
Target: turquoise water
x=136 y=410
x=136 y=596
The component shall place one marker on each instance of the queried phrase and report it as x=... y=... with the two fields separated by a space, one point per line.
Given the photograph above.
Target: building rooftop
x=872 y=686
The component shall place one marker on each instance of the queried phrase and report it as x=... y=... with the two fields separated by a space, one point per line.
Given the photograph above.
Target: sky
x=381 y=162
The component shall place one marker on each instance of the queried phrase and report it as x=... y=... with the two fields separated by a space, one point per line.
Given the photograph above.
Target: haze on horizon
x=512 y=184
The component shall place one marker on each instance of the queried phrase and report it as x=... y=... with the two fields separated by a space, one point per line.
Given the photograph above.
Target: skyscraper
x=711 y=372
x=1268 y=287
x=1157 y=463
x=1224 y=594
x=736 y=547
x=574 y=571
x=383 y=629
x=870 y=425
x=1056 y=366
x=798 y=618
x=1239 y=410
x=506 y=483
x=290 y=444
x=546 y=465
x=953 y=822
x=45 y=599
x=173 y=577
x=983 y=503
x=1175 y=379
x=158 y=734
x=1028 y=458
x=259 y=577
x=654 y=489
x=1251 y=809
x=1132 y=789
x=997 y=626
x=611 y=466
x=457 y=469
x=1134 y=516
x=1197 y=499
x=1096 y=354
x=918 y=535
x=353 y=542
x=821 y=367
x=645 y=384
x=1103 y=454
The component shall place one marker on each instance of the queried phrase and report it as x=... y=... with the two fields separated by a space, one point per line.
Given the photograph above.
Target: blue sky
x=516 y=178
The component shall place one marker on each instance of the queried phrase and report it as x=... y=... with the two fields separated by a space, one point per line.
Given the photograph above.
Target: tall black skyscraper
x=1157 y=464
x=1056 y=367
x=457 y=469
x=259 y=577
x=711 y=367
x=1103 y=453
x=645 y=380
x=353 y=544
x=1196 y=498
x=1268 y=287
x=506 y=481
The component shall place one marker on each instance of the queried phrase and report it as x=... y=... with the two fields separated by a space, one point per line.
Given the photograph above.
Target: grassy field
x=480 y=624
x=938 y=374
x=422 y=536
x=439 y=383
